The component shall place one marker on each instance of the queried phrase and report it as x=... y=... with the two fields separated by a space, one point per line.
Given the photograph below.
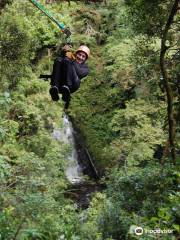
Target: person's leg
x=54 y=92
x=70 y=80
x=64 y=79
x=70 y=76
x=56 y=79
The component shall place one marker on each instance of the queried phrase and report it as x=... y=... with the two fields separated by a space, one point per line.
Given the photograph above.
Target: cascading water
x=73 y=171
x=82 y=189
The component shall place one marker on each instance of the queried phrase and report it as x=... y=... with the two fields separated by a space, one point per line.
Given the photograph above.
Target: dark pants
x=64 y=73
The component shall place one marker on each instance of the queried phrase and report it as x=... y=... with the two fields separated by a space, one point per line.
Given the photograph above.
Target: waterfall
x=73 y=171
x=82 y=189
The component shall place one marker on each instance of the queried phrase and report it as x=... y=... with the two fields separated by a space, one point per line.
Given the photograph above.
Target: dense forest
x=127 y=112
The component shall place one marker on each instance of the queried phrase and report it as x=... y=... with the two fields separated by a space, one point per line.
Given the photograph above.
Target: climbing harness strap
x=60 y=25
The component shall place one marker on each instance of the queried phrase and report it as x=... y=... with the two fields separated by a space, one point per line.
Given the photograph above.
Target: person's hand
x=70 y=55
x=66 y=48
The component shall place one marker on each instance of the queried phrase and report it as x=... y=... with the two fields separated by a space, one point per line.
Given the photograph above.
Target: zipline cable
x=44 y=11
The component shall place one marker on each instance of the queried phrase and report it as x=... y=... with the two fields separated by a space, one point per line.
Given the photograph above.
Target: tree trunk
x=169 y=93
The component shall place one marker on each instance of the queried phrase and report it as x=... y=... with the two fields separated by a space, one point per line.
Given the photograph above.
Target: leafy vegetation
x=120 y=111
x=32 y=163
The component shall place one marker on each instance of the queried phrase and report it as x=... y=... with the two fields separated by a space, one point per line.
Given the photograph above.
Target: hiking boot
x=54 y=93
x=65 y=93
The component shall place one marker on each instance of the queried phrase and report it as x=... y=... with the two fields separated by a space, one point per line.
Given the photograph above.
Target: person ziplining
x=69 y=68
x=68 y=71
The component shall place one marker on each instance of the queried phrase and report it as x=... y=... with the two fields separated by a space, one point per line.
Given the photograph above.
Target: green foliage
x=120 y=111
x=21 y=36
x=3 y=3
x=32 y=178
x=32 y=163
x=146 y=198
x=94 y=219
x=138 y=134
x=5 y=100
x=143 y=14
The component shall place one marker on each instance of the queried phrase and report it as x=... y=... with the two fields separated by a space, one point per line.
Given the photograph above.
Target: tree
x=165 y=76
x=157 y=21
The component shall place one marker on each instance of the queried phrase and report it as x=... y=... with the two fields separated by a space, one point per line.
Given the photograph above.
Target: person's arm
x=82 y=70
x=67 y=50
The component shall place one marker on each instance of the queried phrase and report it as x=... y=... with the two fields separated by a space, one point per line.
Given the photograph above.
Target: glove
x=70 y=55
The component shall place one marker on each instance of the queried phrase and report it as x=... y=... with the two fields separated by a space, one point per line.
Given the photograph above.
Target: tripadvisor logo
x=136 y=230
x=140 y=231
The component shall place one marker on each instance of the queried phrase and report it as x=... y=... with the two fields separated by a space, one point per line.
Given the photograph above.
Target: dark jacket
x=82 y=70
x=68 y=72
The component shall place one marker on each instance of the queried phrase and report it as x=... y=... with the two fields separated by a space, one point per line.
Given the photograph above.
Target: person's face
x=80 y=57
